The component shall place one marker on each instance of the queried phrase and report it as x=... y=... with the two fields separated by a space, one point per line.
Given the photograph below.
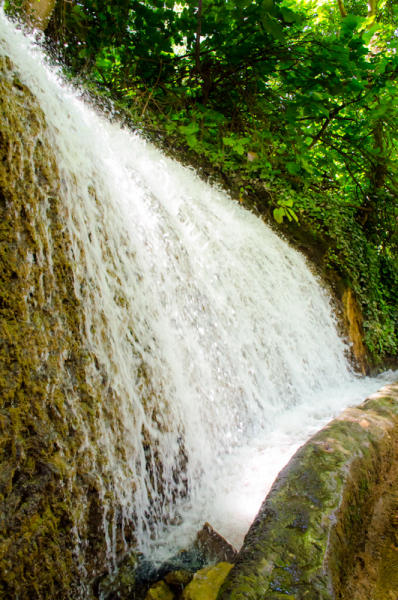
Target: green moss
x=40 y=495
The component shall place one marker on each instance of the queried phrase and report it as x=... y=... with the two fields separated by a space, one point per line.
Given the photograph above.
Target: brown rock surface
x=215 y=547
x=353 y=316
x=374 y=575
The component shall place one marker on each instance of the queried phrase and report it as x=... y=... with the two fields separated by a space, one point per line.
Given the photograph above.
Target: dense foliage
x=294 y=92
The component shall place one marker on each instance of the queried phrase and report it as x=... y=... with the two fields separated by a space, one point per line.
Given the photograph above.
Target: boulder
x=213 y=546
x=159 y=591
x=207 y=582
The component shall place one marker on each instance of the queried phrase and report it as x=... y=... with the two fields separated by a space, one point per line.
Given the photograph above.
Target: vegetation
x=294 y=102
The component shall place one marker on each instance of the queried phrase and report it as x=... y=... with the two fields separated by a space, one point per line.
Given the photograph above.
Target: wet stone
x=159 y=591
x=178 y=578
x=120 y=585
x=207 y=582
x=213 y=546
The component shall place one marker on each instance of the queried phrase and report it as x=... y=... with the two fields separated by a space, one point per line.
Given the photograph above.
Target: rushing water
x=218 y=342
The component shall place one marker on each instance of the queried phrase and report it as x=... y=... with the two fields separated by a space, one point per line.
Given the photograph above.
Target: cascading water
x=216 y=343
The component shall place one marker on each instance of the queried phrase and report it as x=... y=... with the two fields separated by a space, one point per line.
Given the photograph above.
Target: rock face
x=45 y=488
x=303 y=540
x=354 y=319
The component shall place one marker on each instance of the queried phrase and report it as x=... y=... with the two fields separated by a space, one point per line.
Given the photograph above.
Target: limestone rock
x=160 y=591
x=207 y=582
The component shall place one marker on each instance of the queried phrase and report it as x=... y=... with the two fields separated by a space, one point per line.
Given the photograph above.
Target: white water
x=240 y=348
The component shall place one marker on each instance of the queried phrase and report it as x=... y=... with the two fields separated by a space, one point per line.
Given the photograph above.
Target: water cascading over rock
x=149 y=328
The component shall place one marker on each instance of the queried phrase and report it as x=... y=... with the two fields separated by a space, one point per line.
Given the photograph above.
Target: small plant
x=285 y=210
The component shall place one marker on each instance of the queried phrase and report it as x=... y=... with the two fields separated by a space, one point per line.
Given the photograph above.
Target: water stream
x=218 y=343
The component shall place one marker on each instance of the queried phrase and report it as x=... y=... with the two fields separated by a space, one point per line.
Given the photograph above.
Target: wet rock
x=190 y=560
x=121 y=584
x=213 y=546
x=159 y=591
x=178 y=578
x=354 y=322
x=207 y=582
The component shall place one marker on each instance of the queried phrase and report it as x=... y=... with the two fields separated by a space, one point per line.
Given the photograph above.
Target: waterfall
x=212 y=342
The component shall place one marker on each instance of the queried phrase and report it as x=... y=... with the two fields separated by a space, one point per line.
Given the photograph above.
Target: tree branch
x=342 y=9
x=197 y=45
x=372 y=5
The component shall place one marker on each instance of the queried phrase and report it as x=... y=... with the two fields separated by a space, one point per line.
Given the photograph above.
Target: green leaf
x=272 y=27
x=317 y=107
x=267 y=5
x=286 y=202
x=293 y=168
x=293 y=214
x=367 y=36
x=351 y=22
x=355 y=86
x=245 y=140
x=306 y=166
x=289 y=16
x=279 y=213
x=379 y=111
x=103 y=63
x=192 y=140
x=189 y=129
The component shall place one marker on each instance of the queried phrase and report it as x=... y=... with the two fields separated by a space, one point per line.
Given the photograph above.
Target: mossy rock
x=207 y=582
x=179 y=578
x=120 y=585
x=302 y=542
x=159 y=591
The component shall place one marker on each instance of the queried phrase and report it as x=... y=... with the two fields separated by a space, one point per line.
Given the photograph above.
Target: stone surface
x=160 y=591
x=302 y=542
x=354 y=320
x=178 y=578
x=374 y=573
x=207 y=582
x=49 y=494
x=213 y=546
x=41 y=359
x=120 y=585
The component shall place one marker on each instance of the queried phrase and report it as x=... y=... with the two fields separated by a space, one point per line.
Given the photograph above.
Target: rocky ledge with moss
x=304 y=539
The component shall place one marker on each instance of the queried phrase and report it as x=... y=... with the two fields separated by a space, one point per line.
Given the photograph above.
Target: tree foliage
x=300 y=91
x=311 y=94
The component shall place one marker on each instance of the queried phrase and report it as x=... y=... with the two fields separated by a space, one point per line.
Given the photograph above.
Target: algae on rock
x=47 y=494
x=207 y=582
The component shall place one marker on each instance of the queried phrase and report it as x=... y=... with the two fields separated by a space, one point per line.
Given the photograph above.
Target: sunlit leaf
x=279 y=213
